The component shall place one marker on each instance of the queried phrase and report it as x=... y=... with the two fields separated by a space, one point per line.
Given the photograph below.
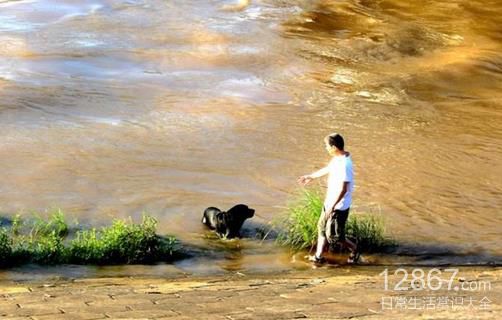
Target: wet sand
x=322 y=293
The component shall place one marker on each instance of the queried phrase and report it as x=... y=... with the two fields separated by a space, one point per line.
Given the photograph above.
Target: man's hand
x=304 y=180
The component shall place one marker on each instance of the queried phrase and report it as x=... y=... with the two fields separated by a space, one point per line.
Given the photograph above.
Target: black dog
x=227 y=224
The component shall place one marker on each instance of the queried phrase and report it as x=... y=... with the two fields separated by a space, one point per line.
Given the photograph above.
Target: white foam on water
x=84 y=40
x=254 y=13
x=8 y=3
x=247 y=81
x=87 y=43
x=91 y=9
x=385 y=96
x=11 y=23
x=242 y=49
x=344 y=76
x=28 y=15
x=7 y=67
x=104 y=120
x=247 y=87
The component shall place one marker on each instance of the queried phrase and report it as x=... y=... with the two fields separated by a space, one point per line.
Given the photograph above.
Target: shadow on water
x=5 y=222
x=259 y=231
x=434 y=255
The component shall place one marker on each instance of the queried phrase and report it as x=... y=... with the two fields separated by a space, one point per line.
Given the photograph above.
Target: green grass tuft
x=49 y=242
x=298 y=226
x=5 y=247
x=121 y=243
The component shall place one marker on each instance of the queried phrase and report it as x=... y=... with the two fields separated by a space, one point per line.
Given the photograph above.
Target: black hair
x=335 y=140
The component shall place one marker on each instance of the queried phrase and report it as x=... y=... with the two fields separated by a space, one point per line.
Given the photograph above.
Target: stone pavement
x=335 y=293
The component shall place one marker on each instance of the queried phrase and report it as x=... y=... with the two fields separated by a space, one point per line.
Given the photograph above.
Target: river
x=112 y=108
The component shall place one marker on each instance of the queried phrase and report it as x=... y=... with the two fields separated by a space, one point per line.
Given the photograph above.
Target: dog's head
x=242 y=210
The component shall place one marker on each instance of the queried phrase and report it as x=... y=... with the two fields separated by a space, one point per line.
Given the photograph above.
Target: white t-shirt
x=340 y=171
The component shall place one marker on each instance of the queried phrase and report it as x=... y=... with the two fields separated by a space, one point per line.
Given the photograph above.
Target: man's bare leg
x=354 y=254
x=349 y=244
x=321 y=245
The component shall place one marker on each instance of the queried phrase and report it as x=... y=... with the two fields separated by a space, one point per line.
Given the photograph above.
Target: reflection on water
x=111 y=108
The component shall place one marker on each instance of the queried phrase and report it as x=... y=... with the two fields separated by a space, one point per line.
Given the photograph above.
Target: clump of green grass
x=369 y=231
x=41 y=249
x=50 y=242
x=122 y=243
x=56 y=225
x=5 y=247
x=298 y=226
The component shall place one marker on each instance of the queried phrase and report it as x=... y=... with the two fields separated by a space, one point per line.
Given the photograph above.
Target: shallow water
x=112 y=108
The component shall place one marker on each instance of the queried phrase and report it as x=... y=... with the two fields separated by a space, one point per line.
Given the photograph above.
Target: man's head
x=334 y=143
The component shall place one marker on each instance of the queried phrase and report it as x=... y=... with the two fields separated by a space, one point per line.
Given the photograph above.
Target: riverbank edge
x=321 y=293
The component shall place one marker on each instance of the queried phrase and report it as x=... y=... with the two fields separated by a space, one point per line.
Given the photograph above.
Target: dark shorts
x=333 y=226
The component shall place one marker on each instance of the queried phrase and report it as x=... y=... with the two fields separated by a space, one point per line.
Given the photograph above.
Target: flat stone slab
x=325 y=293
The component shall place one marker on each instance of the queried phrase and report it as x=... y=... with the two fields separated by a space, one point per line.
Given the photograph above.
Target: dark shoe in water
x=315 y=259
x=354 y=257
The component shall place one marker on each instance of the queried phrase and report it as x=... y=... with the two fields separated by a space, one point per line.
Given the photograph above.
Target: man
x=331 y=224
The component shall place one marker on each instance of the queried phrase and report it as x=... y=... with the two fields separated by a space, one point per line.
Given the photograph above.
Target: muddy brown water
x=112 y=108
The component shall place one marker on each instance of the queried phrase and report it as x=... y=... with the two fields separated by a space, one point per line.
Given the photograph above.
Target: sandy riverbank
x=323 y=293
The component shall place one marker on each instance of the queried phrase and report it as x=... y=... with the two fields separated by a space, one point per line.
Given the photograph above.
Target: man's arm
x=303 y=180
x=319 y=173
x=342 y=193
